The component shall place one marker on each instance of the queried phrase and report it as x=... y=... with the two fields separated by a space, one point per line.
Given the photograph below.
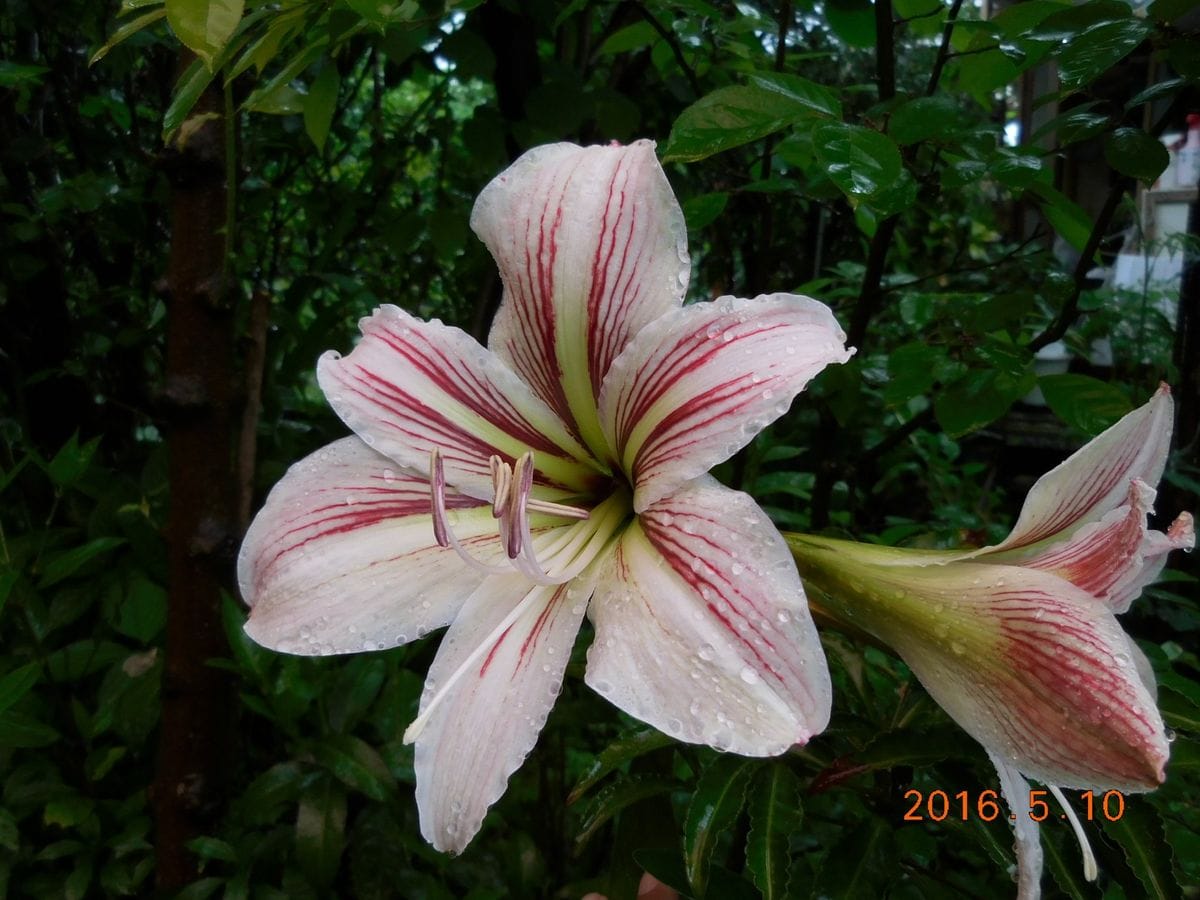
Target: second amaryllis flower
x=561 y=471
x=1019 y=642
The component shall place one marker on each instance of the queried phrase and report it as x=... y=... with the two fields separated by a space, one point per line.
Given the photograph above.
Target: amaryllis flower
x=508 y=491
x=1019 y=642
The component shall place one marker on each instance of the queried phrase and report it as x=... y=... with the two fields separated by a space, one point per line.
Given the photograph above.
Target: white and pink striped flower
x=1019 y=642
x=508 y=491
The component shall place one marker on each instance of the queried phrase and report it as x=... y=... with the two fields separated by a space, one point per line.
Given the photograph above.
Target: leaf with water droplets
x=715 y=807
x=1139 y=832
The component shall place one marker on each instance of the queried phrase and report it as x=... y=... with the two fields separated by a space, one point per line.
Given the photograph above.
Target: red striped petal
x=493 y=682
x=1032 y=667
x=702 y=629
x=342 y=556
x=591 y=246
x=1096 y=479
x=1112 y=559
x=695 y=386
x=410 y=386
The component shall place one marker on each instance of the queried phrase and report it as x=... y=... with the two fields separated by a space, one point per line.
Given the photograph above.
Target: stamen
x=556 y=509
x=442 y=531
x=1090 y=869
x=501 y=484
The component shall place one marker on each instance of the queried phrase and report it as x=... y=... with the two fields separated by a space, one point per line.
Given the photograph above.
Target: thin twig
x=669 y=36
x=943 y=53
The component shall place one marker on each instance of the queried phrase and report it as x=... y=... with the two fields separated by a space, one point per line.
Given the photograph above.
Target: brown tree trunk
x=201 y=529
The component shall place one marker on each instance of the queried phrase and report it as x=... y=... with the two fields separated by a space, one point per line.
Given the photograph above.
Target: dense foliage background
x=183 y=231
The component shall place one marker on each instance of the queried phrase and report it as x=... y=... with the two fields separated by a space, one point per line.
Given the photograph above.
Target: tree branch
x=943 y=53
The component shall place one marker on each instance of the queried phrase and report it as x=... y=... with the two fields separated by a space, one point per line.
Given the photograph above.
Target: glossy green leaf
x=126 y=30
x=860 y=161
x=700 y=211
x=204 y=26
x=924 y=118
x=715 y=806
x=321 y=831
x=729 y=117
x=800 y=92
x=320 y=105
x=775 y=814
x=616 y=796
x=617 y=754
x=1062 y=859
x=188 y=88
x=1133 y=152
x=1139 y=832
x=1084 y=402
x=1099 y=48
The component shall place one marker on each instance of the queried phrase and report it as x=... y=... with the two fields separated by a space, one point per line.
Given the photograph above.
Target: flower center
x=569 y=549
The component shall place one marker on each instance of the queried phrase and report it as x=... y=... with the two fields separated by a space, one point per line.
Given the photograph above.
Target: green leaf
x=1087 y=55
x=861 y=864
x=204 y=26
x=1077 y=124
x=702 y=210
x=1139 y=831
x=212 y=848
x=10 y=834
x=320 y=105
x=143 y=612
x=860 y=161
x=926 y=118
x=1084 y=402
x=617 y=754
x=64 y=565
x=17 y=683
x=631 y=37
x=618 y=795
x=71 y=461
x=911 y=372
x=715 y=805
x=1065 y=216
x=128 y=29
x=321 y=831
x=356 y=764
x=801 y=92
x=978 y=399
x=19 y=730
x=188 y=88
x=1063 y=858
x=775 y=813
x=853 y=21
x=1134 y=153
x=729 y=117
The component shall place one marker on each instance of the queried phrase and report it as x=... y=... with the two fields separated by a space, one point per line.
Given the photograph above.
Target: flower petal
x=410 y=386
x=1015 y=791
x=702 y=629
x=1114 y=558
x=1030 y=666
x=492 y=684
x=591 y=246
x=1096 y=478
x=694 y=387
x=342 y=557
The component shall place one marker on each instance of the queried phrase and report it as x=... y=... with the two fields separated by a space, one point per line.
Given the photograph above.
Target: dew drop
x=749 y=675
x=706 y=651
x=784 y=616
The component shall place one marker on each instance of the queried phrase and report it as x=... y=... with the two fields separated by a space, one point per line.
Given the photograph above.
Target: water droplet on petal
x=749 y=675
